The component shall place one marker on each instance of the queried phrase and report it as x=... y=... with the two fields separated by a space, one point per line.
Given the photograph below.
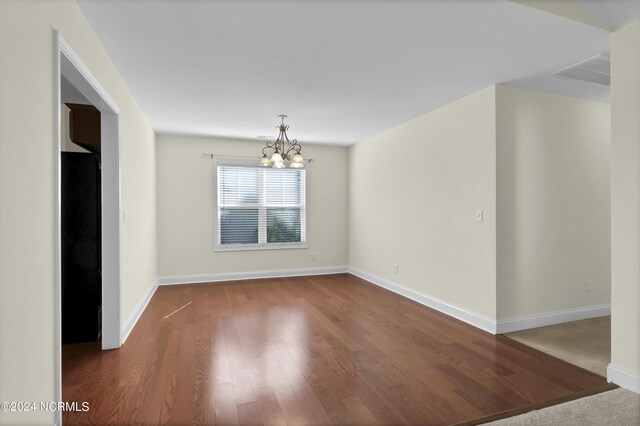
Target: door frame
x=69 y=65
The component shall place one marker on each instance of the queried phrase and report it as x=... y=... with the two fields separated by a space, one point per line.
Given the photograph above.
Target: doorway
x=72 y=71
x=80 y=218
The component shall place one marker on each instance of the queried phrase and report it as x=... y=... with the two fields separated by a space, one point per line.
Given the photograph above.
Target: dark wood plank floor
x=309 y=351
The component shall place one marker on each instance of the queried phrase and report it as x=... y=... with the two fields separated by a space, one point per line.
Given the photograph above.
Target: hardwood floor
x=309 y=351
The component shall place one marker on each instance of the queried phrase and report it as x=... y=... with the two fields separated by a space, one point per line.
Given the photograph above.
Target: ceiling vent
x=594 y=70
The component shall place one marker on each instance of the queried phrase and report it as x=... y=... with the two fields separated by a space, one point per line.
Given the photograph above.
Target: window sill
x=254 y=247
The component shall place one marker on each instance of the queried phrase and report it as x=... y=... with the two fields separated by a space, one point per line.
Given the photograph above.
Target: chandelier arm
x=268 y=146
x=294 y=146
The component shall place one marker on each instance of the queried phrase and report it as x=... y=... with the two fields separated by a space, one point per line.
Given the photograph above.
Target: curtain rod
x=210 y=155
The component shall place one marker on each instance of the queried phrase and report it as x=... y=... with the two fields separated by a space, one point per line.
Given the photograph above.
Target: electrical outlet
x=314 y=256
x=479 y=215
x=589 y=286
x=397 y=268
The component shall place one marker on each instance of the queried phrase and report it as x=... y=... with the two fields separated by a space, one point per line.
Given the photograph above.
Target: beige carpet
x=618 y=407
x=585 y=343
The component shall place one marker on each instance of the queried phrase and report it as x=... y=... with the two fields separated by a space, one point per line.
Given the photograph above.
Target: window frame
x=253 y=163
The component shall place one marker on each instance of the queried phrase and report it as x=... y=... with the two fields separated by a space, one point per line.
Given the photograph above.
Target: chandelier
x=284 y=150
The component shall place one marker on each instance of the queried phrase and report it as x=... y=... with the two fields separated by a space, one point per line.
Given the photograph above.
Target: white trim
x=550 y=318
x=88 y=77
x=249 y=275
x=111 y=232
x=131 y=322
x=260 y=246
x=477 y=320
x=57 y=374
x=623 y=378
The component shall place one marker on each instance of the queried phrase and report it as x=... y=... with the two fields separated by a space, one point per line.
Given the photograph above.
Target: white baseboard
x=235 y=276
x=540 y=320
x=137 y=312
x=477 y=320
x=623 y=378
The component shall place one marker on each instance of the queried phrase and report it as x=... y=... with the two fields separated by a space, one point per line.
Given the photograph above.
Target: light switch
x=479 y=215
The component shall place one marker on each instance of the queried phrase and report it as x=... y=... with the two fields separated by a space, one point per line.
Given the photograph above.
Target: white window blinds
x=260 y=208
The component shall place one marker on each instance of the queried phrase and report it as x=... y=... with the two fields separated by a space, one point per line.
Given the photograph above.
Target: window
x=259 y=208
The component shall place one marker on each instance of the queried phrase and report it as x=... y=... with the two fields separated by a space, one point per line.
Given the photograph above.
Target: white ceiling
x=341 y=70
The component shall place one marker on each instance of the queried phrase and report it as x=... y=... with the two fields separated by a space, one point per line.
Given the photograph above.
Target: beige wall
x=28 y=155
x=413 y=193
x=186 y=216
x=625 y=199
x=553 y=202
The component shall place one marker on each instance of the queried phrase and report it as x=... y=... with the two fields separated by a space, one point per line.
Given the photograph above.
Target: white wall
x=553 y=202
x=625 y=205
x=413 y=192
x=186 y=216
x=28 y=154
